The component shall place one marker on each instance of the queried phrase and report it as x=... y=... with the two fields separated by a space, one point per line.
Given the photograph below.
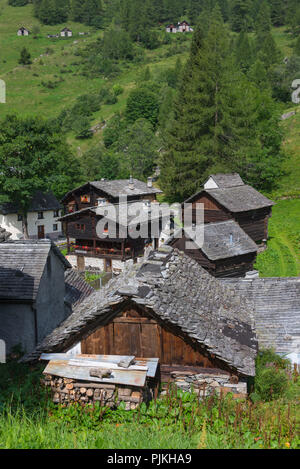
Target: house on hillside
x=226 y=197
x=181 y=27
x=42 y=218
x=87 y=205
x=32 y=291
x=23 y=31
x=167 y=308
x=227 y=250
x=276 y=302
x=66 y=32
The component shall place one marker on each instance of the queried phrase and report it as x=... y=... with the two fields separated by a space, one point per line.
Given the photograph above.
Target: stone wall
x=207 y=384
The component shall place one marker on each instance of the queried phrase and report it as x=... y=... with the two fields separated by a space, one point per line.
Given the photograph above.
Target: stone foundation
x=208 y=384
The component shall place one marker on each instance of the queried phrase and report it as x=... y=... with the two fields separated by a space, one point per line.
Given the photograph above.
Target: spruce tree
x=25 y=57
x=244 y=51
x=222 y=122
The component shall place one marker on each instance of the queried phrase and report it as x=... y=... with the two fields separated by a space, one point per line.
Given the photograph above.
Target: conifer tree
x=244 y=51
x=25 y=57
x=220 y=121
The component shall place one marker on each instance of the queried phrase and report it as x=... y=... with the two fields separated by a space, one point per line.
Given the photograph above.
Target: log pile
x=67 y=390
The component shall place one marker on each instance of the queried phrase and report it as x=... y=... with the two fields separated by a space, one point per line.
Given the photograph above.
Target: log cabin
x=89 y=194
x=167 y=308
x=83 y=208
x=226 y=197
x=227 y=251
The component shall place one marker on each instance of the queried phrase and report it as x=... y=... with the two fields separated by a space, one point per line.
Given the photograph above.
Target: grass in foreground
x=282 y=257
x=28 y=419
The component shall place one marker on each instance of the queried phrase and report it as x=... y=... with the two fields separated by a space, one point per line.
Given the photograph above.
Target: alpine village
x=150 y=225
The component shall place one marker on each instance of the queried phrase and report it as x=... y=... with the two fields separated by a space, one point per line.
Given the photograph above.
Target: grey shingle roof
x=240 y=198
x=276 y=302
x=4 y=235
x=227 y=180
x=22 y=265
x=118 y=187
x=77 y=289
x=174 y=288
x=156 y=212
x=224 y=240
x=40 y=203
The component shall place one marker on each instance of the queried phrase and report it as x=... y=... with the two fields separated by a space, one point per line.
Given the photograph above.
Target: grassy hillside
x=57 y=59
x=282 y=258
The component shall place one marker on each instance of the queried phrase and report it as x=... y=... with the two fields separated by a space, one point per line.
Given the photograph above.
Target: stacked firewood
x=67 y=390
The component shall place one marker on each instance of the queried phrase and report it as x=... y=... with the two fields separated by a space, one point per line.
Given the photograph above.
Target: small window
x=80 y=227
x=85 y=199
x=20 y=217
x=40 y=215
x=56 y=213
x=55 y=227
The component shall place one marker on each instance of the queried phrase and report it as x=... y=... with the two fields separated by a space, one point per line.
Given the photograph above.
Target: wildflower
x=287 y=444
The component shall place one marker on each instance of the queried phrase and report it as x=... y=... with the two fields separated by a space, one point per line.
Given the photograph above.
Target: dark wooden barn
x=115 y=241
x=227 y=251
x=226 y=197
x=88 y=195
x=167 y=308
x=82 y=207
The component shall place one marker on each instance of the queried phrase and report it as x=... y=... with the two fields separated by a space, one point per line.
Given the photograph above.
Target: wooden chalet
x=171 y=309
x=227 y=250
x=82 y=207
x=88 y=194
x=226 y=197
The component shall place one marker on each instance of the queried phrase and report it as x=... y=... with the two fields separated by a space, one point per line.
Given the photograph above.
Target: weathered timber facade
x=81 y=218
x=228 y=198
x=227 y=251
x=135 y=332
x=88 y=194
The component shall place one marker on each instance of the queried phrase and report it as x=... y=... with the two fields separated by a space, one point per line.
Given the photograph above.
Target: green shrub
x=117 y=90
x=270 y=383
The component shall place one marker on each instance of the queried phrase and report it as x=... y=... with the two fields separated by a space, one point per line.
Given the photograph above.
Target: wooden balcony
x=102 y=253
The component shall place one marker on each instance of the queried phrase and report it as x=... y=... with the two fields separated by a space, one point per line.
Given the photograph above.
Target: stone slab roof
x=240 y=198
x=227 y=180
x=175 y=289
x=223 y=240
x=22 y=264
x=119 y=187
x=155 y=211
x=41 y=202
x=4 y=235
x=276 y=302
x=77 y=289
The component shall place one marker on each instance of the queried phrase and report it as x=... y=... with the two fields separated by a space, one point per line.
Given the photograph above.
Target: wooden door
x=41 y=232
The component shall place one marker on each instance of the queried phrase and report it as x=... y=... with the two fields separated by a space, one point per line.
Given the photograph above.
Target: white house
x=42 y=218
x=23 y=31
x=66 y=32
x=182 y=27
